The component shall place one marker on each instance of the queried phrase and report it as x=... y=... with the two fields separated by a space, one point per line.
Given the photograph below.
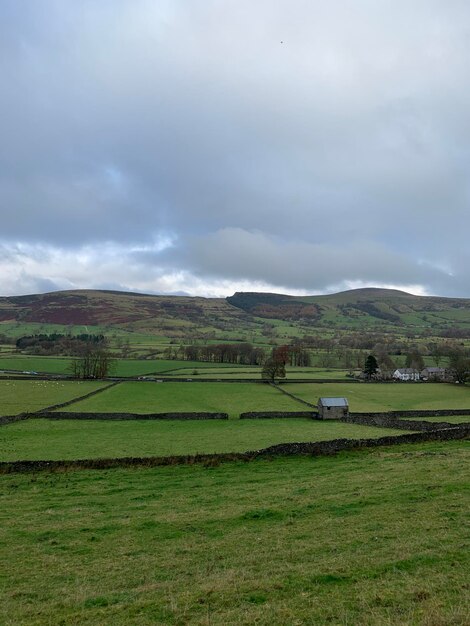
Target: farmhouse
x=435 y=373
x=406 y=373
x=332 y=408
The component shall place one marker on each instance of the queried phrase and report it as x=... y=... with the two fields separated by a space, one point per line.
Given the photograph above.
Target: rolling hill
x=180 y=316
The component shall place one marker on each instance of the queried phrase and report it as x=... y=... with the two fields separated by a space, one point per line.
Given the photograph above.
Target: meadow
x=375 y=538
x=18 y=396
x=388 y=396
x=121 y=367
x=43 y=439
x=151 y=397
x=235 y=398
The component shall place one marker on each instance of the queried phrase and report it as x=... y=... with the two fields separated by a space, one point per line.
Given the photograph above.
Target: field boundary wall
x=321 y=448
x=255 y=415
x=196 y=415
x=90 y=394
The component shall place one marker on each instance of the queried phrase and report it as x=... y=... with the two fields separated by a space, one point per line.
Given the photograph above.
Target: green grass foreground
x=18 y=396
x=372 y=538
x=42 y=439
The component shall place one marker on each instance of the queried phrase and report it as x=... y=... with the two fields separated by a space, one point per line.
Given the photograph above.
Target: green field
x=75 y=439
x=388 y=396
x=121 y=367
x=151 y=397
x=18 y=396
x=235 y=398
x=248 y=372
x=376 y=538
x=450 y=419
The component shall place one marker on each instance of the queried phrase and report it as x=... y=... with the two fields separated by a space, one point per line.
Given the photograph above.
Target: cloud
x=338 y=155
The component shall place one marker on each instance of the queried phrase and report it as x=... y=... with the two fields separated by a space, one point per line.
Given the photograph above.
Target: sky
x=204 y=147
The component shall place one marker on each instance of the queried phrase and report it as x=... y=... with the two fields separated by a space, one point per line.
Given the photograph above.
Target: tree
x=94 y=361
x=415 y=361
x=275 y=365
x=273 y=369
x=370 y=367
x=459 y=366
x=387 y=366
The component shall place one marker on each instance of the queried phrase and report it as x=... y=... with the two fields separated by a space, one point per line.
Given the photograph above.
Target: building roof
x=334 y=401
x=406 y=370
x=434 y=370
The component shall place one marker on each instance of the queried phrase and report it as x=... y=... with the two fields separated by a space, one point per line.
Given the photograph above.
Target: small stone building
x=332 y=408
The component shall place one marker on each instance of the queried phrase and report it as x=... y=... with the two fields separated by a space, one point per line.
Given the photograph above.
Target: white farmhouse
x=406 y=373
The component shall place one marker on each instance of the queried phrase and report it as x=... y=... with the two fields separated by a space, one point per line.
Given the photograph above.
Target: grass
x=235 y=398
x=41 y=439
x=231 y=398
x=451 y=419
x=122 y=367
x=18 y=396
x=372 y=538
x=388 y=397
x=255 y=372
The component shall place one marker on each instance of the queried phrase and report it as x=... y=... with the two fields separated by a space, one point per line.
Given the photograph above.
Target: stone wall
x=10 y=419
x=385 y=421
x=422 y=413
x=64 y=415
x=321 y=448
x=78 y=399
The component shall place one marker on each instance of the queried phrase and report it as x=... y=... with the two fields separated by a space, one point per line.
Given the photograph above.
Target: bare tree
x=95 y=361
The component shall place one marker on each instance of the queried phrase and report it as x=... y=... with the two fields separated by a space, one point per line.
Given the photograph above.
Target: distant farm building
x=435 y=373
x=332 y=408
x=406 y=373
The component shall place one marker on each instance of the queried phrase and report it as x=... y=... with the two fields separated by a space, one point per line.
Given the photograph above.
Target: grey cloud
x=239 y=254
x=126 y=122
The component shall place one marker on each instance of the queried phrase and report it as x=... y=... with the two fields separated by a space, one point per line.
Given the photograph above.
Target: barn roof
x=334 y=402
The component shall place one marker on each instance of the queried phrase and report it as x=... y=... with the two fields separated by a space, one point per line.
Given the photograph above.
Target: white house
x=406 y=373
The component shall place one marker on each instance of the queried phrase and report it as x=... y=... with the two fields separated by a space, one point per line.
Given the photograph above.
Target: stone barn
x=332 y=408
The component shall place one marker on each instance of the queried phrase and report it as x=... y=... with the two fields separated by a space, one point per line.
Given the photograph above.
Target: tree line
x=238 y=354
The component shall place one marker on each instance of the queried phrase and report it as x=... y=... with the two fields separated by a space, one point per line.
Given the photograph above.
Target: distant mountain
x=179 y=316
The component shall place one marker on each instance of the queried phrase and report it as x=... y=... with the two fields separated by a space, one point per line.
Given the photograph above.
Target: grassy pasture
x=235 y=398
x=151 y=397
x=375 y=538
x=388 y=396
x=74 y=439
x=255 y=372
x=122 y=367
x=18 y=396
x=451 y=419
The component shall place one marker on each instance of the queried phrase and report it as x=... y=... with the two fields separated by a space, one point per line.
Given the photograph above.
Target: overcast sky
x=213 y=146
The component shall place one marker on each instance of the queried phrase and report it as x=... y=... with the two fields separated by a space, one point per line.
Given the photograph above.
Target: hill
x=239 y=315
x=361 y=309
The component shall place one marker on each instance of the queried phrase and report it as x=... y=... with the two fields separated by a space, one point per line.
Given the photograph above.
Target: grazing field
x=42 y=439
x=235 y=398
x=388 y=396
x=255 y=372
x=19 y=396
x=121 y=367
x=372 y=538
x=151 y=397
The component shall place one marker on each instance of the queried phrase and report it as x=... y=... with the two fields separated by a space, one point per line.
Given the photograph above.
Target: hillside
x=243 y=313
x=360 y=309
